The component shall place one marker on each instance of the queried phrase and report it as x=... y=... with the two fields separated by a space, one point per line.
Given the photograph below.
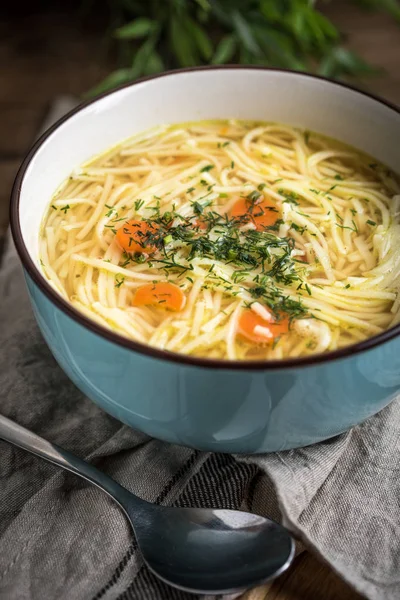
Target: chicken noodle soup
x=229 y=239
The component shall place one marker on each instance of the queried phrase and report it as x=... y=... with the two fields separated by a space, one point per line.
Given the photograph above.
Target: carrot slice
x=250 y=324
x=162 y=294
x=200 y=224
x=135 y=235
x=262 y=214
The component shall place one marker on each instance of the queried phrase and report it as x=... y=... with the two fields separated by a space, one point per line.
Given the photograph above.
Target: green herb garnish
x=254 y=196
x=289 y=196
x=119 y=280
x=138 y=204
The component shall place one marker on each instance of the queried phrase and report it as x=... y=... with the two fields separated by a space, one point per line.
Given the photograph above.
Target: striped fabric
x=220 y=483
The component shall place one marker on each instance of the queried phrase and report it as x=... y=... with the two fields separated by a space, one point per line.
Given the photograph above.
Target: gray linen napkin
x=62 y=539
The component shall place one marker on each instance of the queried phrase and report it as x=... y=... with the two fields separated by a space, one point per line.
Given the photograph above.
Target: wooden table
x=45 y=55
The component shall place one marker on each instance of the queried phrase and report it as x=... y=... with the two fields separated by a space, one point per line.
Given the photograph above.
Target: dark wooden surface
x=44 y=55
x=41 y=56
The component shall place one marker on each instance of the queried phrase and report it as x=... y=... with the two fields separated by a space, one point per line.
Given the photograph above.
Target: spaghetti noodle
x=229 y=239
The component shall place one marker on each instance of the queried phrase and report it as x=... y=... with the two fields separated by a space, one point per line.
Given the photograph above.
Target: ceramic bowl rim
x=111 y=336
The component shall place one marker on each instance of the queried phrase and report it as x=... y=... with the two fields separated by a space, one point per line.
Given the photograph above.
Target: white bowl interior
x=292 y=98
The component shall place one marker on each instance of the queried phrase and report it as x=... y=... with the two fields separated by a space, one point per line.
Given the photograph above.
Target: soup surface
x=229 y=239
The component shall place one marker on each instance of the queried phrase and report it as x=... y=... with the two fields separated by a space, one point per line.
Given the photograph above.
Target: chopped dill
x=298 y=228
x=254 y=196
x=289 y=196
x=126 y=261
x=256 y=255
x=138 y=204
x=119 y=280
x=354 y=228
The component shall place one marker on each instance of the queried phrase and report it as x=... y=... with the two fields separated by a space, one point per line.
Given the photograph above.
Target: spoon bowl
x=212 y=551
x=199 y=550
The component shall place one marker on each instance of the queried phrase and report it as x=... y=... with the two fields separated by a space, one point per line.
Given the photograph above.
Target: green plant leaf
x=200 y=37
x=279 y=48
x=320 y=35
x=220 y=15
x=137 y=28
x=327 y=66
x=204 y=5
x=270 y=10
x=113 y=80
x=351 y=63
x=326 y=26
x=142 y=55
x=390 y=6
x=339 y=62
x=245 y=34
x=283 y=33
x=182 y=44
x=225 y=50
x=154 y=64
x=296 y=21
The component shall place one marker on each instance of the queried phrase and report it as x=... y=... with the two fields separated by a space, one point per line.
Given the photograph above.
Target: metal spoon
x=198 y=550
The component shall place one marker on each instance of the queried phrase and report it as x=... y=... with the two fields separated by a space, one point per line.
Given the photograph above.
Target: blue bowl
x=223 y=406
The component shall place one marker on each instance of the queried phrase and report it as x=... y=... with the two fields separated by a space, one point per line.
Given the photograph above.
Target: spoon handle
x=27 y=440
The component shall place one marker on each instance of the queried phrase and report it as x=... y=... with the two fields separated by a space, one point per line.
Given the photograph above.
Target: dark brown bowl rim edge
x=120 y=340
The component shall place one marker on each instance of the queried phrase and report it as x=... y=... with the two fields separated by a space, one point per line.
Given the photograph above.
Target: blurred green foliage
x=155 y=35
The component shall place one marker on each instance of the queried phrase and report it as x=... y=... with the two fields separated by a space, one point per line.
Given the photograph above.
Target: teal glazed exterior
x=220 y=409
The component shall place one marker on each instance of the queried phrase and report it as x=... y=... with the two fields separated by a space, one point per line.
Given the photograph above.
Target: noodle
x=229 y=239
